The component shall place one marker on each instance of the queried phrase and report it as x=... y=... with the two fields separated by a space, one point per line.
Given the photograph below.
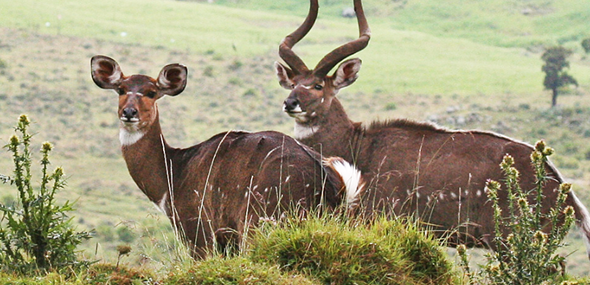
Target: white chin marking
x=297 y=109
x=129 y=137
x=303 y=131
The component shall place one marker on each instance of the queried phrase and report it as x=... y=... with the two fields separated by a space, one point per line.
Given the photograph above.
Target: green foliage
x=353 y=252
x=555 y=77
x=526 y=238
x=36 y=234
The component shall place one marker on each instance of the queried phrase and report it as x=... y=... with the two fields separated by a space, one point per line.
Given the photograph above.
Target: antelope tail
x=582 y=221
x=351 y=178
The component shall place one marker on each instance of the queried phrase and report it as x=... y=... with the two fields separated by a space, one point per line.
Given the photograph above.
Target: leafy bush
x=36 y=234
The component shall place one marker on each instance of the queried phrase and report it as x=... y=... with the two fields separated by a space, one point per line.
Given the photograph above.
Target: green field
x=463 y=65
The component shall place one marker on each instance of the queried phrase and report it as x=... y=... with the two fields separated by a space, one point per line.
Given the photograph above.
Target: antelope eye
x=292 y=86
x=151 y=94
x=318 y=87
x=120 y=91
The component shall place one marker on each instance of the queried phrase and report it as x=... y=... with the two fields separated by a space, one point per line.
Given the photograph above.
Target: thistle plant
x=527 y=238
x=36 y=234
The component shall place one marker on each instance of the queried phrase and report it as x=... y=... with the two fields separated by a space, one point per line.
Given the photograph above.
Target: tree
x=555 y=77
x=586 y=45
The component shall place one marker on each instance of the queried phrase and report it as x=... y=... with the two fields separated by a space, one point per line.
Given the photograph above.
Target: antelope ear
x=347 y=73
x=106 y=72
x=172 y=79
x=285 y=75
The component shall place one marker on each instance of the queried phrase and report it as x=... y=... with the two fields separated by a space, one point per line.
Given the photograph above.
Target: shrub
x=36 y=234
x=390 y=106
x=527 y=254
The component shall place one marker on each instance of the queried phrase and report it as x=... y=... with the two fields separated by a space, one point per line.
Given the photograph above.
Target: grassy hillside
x=426 y=61
x=507 y=23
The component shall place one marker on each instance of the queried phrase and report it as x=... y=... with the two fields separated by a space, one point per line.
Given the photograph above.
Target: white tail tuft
x=351 y=177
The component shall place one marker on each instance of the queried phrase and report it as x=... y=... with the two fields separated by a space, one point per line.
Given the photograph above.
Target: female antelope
x=214 y=190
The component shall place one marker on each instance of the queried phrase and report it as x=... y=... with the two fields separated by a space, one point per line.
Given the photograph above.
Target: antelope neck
x=331 y=135
x=147 y=165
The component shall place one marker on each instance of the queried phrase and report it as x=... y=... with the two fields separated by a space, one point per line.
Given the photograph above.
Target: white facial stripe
x=307 y=86
x=131 y=93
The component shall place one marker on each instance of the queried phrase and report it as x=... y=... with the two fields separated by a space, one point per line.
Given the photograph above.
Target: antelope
x=213 y=191
x=410 y=167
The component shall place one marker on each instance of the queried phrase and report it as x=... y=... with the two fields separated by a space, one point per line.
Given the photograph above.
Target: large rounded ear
x=285 y=75
x=172 y=79
x=347 y=73
x=106 y=72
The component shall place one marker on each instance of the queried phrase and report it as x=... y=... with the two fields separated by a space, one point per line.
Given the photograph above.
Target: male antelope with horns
x=410 y=167
x=214 y=190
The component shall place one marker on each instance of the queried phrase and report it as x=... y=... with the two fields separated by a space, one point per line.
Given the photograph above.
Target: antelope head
x=312 y=91
x=137 y=93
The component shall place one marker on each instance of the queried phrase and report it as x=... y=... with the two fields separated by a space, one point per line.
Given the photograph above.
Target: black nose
x=290 y=104
x=129 y=113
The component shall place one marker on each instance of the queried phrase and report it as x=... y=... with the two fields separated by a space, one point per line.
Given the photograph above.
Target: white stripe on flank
x=351 y=177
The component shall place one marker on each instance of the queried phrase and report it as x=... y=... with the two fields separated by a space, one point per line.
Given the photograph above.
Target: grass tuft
x=236 y=270
x=351 y=252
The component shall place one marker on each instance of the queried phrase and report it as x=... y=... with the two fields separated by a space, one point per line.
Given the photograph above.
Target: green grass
x=428 y=61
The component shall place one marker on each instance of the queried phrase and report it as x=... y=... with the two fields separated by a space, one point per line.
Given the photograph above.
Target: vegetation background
x=461 y=64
